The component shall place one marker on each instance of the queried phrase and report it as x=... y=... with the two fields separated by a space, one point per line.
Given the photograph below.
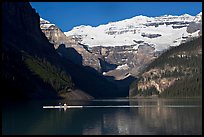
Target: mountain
x=109 y=61
x=121 y=50
x=162 y=32
x=79 y=54
x=196 y=24
x=133 y=43
x=33 y=69
x=176 y=73
x=57 y=37
x=53 y=33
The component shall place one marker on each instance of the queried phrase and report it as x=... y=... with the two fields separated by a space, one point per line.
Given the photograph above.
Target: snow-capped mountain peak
x=44 y=21
x=162 y=31
x=125 y=47
x=199 y=14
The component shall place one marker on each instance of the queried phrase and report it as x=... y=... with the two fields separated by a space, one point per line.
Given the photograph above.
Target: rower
x=65 y=105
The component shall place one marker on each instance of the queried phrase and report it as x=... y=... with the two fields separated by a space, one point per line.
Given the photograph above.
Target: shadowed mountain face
x=110 y=86
x=33 y=69
x=70 y=54
x=22 y=35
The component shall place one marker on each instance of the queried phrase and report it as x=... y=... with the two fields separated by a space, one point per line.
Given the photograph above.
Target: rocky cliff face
x=154 y=78
x=53 y=33
x=57 y=37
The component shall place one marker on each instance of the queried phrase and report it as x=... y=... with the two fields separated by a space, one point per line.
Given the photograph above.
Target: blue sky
x=67 y=15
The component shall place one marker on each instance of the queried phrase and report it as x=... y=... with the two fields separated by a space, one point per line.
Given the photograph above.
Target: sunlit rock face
x=57 y=37
x=52 y=32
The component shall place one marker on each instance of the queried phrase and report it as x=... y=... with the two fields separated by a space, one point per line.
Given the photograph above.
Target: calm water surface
x=155 y=116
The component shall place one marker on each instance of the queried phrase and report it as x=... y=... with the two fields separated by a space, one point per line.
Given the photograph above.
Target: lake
x=146 y=117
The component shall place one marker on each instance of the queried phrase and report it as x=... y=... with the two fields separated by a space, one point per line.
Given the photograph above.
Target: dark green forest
x=30 y=74
x=50 y=74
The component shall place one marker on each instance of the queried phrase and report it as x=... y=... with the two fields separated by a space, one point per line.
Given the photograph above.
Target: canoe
x=62 y=107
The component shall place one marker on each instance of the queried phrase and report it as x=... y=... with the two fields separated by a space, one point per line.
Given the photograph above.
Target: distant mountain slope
x=176 y=73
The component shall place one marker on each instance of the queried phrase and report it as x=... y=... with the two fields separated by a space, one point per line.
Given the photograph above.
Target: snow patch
x=124 y=67
x=44 y=24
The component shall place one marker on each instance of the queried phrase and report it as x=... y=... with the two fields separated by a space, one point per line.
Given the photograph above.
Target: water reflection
x=151 y=120
x=29 y=119
x=171 y=120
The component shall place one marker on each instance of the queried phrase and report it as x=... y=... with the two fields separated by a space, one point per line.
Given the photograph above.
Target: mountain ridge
x=112 y=34
x=153 y=42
